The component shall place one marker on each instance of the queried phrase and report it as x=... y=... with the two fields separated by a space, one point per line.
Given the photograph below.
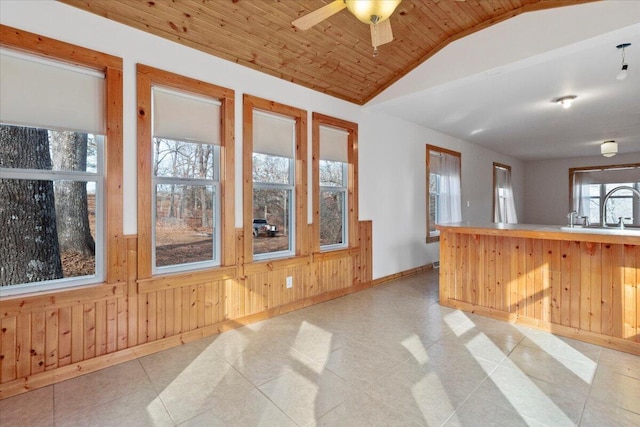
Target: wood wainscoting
x=568 y=285
x=56 y=336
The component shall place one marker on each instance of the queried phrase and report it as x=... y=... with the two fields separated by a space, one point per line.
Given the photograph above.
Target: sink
x=600 y=230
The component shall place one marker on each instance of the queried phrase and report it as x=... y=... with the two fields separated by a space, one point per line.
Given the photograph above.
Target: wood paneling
x=586 y=290
x=45 y=339
x=335 y=56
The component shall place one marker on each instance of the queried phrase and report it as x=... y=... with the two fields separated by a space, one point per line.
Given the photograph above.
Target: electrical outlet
x=289 y=282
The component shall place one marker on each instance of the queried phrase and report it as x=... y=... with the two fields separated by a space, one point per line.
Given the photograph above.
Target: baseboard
x=401 y=274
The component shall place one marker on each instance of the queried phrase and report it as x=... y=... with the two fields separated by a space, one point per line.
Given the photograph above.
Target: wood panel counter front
x=572 y=283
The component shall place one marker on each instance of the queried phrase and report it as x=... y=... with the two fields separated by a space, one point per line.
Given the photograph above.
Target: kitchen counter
x=577 y=283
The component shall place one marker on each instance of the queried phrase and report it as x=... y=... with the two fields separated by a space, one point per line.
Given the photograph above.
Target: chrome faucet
x=609 y=194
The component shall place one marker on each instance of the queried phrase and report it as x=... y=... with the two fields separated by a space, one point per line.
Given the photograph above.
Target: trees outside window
x=52 y=182
x=335 y=179
x=185 y=174
x=590 y=185
x=274 y=175
x=273 y=171
x=444 y=203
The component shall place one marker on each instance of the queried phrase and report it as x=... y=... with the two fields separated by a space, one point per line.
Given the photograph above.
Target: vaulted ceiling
x=335 y=56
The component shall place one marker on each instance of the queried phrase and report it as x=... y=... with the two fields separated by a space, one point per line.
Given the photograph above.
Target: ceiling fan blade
x=310 y=19
x=381 y=33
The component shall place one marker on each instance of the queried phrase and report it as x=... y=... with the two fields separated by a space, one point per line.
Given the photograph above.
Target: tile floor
x=388 y=356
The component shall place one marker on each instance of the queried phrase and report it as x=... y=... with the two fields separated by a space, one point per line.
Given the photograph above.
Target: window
x=182 y=174
x=275 y=193
x=58 y=166
x=589 y=187
x=504 y=207
x=335 y=219
x=443 y=184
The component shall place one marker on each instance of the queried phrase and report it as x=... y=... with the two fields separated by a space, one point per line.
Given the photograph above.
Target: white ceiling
x=508 y=108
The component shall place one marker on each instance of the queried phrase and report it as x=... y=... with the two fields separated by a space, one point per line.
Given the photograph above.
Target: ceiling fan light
x=609 y=148
x=369 y=11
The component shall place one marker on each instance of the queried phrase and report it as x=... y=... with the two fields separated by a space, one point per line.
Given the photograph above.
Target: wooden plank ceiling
x=333 y=57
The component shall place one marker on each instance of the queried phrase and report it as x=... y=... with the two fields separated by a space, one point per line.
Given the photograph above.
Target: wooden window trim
x=352 y=177
x=146 y=77
x=495 y=166
x=111 y=66
x=250 y=102
x=429 y=149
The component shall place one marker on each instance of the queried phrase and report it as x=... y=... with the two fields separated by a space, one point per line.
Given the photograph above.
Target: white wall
x=547 y=197
x=393 y=188
x=392 y=151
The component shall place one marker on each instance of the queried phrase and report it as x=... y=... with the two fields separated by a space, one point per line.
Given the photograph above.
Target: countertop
x=551 y=232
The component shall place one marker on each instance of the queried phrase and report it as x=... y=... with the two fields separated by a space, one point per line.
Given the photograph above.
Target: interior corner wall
x=393 y=188
x=547 y=182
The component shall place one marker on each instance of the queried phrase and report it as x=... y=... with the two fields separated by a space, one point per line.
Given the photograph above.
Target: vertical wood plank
x=490 y=271
x=596 y=288
x=586 y=249
x=618 y=292
x=606 y=285
x=8 y=360
x=161 y=316
x=499 y=274
x=21 y=349
x=152 y=316
x=539 y=280
x=51 y=345
x=576 y=287
x=77 y=333
x=113 y=326
x=64 y=336
x=631 y=298
x=200 y=305
x=101 y=327
x=555 y=281
x=89 y=319
x=533 y=271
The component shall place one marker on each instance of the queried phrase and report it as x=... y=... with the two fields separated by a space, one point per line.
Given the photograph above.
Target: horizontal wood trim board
x=13 y=306
x=276 y=264
x=163 y=283
x=565 y=331
x=332 y=255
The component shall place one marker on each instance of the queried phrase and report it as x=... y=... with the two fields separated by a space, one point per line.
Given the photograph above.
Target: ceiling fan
x=376 y=13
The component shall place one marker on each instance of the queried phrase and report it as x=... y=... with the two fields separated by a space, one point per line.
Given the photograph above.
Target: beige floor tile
x=359 y=364
x=362 y=410
x=514 y=390
x=83 y=393
x=599 y=413
x=306 y=394
x=249 y=409
x=204 y=384
x=622 y=363
x=32 y=409
x=262 y=365
x=479 y=412
x=139 y=409
x=616 y=390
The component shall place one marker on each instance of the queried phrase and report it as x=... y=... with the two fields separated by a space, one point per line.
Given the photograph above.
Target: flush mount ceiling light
x=565 y=101
x=609 y=148
x=624 y=67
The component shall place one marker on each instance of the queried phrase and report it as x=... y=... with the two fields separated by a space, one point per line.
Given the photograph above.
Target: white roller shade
x=273 y=135
x=334 y=144
x=611 y=176
x=182 y=116
x=43 y=93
